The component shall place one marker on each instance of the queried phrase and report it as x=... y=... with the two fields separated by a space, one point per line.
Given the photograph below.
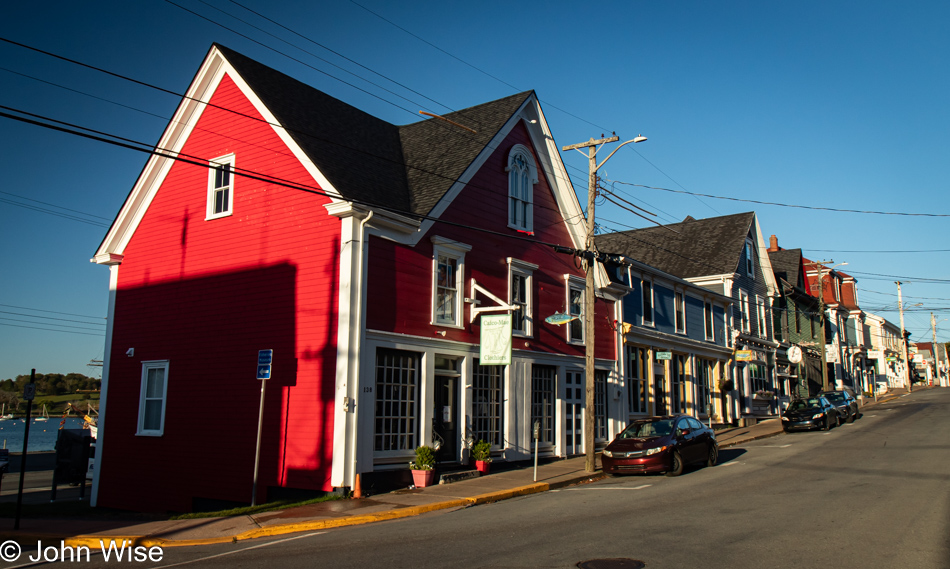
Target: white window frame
x=644 y=283
x=761 y=312
x=749 y=259
x=214 y=166
x=141 y=429
x=679 y=309
x=709 y=320
x=521 y=181
x=745 y=319
x=573 y=283
x=525 y=270
x=451 y=249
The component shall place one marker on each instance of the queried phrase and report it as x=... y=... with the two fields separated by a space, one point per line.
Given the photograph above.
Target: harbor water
x=43 y=434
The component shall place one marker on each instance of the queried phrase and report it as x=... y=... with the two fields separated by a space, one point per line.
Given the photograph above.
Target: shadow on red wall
x=210 y=330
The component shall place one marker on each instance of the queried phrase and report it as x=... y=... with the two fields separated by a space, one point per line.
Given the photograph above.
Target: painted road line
x=609 y=487
x=240 y=550
x=776 y=446
x=727 y=464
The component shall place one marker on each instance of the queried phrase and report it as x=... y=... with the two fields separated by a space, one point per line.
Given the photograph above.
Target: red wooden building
x=364 y=254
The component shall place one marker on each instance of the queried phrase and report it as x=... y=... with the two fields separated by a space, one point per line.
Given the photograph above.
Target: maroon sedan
x=660 y=444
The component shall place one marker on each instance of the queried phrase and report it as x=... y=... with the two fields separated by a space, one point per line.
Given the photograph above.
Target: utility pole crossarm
x=589 y=143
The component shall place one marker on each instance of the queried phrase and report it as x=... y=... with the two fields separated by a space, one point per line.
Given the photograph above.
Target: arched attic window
x=522 y=176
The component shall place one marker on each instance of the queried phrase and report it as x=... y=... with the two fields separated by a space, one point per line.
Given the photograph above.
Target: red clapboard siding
x=405 y=273
x=207 y=295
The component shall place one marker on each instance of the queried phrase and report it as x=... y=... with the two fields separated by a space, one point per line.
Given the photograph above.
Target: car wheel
x=677 y=467
x=852 y=417
x=838 y=421
x=827 y=425
x=713 y=457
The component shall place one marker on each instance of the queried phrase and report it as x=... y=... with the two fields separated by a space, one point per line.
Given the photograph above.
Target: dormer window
x=220 y=187
x=522 y=175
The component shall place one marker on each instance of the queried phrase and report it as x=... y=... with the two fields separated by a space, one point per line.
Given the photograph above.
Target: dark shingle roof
x=368 y=160
x=786 y=264
x=437 y=153
x=691 y=248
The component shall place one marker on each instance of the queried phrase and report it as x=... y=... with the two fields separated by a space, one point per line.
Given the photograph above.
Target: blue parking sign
x=263 y=372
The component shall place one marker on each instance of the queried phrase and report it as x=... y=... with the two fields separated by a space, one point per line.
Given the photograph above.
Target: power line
x=51 y=330
x=131 y=145
x=837 y=210
x=52 y=311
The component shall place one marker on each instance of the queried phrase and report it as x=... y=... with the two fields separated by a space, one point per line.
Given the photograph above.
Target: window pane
x=153 y=415
x=155 y=383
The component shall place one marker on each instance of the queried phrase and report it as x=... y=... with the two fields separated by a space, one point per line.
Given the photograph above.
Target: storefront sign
x=744 y=355
x=495 y=344
x=875 y=354
x=664 y=356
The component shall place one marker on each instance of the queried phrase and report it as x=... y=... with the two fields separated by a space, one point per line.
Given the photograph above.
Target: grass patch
x=249 y=510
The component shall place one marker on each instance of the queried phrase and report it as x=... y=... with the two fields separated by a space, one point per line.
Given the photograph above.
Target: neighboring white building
x=884 y=356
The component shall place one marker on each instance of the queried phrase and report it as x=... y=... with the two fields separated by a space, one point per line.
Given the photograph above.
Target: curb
x=755 y=438
x=96 y=541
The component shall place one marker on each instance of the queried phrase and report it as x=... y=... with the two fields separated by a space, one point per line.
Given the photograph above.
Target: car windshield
x=643 y=429
x=834 y=397
x=804 y=404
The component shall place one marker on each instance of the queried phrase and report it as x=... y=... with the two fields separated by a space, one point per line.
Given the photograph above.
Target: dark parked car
x=660 y=444
x=845 y=402
x=811 y=413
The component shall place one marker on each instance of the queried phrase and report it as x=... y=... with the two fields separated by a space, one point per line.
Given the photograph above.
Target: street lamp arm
x=637 y=139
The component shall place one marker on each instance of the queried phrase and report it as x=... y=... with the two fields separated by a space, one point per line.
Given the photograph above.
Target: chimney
x=773 y=244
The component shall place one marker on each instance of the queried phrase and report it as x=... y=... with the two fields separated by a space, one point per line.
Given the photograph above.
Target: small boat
x=4 y=416
x=44 y=416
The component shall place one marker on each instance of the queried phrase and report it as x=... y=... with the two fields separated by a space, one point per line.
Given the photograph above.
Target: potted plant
x=481 y=454
x=423 y=468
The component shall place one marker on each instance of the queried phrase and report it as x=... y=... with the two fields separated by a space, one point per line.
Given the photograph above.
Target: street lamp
x=589 y=264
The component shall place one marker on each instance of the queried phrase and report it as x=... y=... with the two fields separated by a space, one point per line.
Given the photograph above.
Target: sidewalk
x=316 y=517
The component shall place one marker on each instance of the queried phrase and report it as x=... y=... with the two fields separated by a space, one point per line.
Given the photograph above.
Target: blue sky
x=819 y=103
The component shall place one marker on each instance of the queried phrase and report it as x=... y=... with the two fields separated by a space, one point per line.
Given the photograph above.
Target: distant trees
x=51 y=384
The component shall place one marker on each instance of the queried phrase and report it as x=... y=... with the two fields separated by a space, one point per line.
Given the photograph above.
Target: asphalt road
x=875 y=493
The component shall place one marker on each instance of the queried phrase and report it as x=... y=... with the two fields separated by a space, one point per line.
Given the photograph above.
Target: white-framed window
x=600 y=405
x=647 y=287
x=749 y=259
x=220 y=187
x=521 y=295
x=637 y=369
x=680 y=309
x=678 y=381
x=152 y=398
x=488 y=396
x=760 y=311
x=522 y=175
x=575 y=307
x=705 y=372
x=448 y=270
x=397 y=399
x=744 y=311
x=708 y=319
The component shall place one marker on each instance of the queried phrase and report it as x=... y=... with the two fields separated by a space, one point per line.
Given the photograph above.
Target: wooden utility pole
x=589 y=265
x=900 y=306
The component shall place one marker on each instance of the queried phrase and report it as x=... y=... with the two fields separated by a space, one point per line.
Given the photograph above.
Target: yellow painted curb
x=93 y=541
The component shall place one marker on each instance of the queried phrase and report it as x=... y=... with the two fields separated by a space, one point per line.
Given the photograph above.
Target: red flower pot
x=423 y=478
x=482 y=466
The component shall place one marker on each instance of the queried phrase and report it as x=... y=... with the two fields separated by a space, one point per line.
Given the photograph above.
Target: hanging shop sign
x=664 y=356
x=794 y=354
x=495 y=343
